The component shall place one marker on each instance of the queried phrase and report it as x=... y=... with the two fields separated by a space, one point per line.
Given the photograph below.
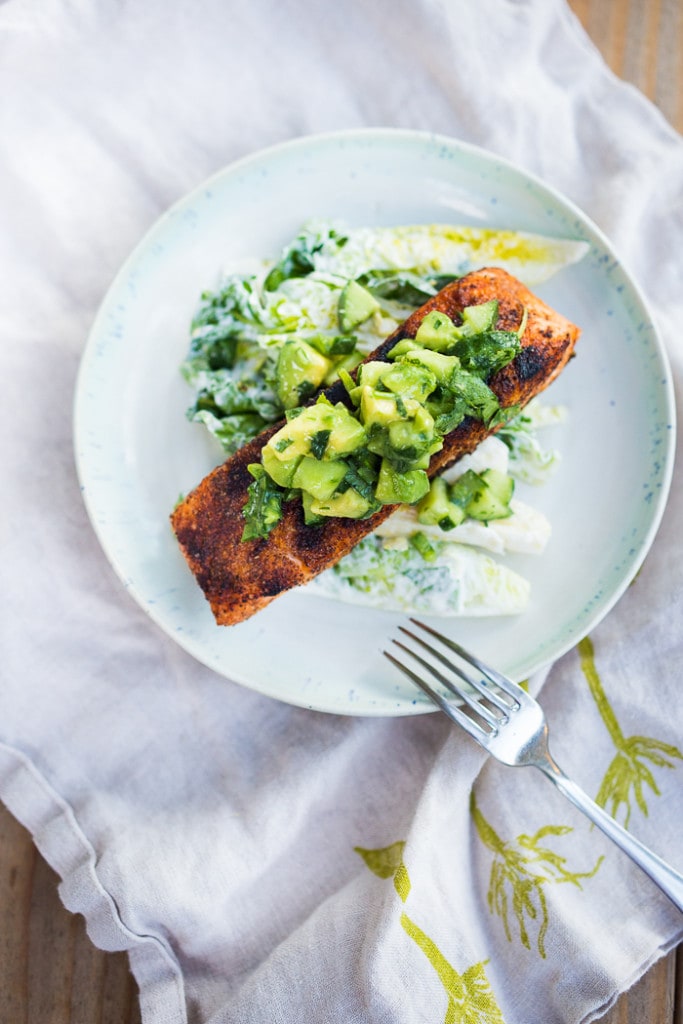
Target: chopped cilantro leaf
x=263 y=510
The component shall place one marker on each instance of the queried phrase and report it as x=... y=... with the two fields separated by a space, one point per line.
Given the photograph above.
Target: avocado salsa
x=347 y=462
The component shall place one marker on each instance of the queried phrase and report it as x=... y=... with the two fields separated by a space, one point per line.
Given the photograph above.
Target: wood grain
x=50 y=973
x=642 y=41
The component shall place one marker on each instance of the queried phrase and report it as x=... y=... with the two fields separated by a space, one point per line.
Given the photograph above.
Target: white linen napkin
x=258 y=861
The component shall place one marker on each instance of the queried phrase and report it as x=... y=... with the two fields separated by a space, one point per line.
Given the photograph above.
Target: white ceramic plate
x=136 y=452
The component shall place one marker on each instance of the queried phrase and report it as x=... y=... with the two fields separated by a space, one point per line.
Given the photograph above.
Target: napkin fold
x=258 y=861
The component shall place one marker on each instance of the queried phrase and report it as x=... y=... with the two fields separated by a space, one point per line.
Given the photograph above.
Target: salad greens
x=239 y=328
x=450 y=579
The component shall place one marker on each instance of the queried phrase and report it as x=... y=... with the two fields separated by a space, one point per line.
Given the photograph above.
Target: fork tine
x=466 y=698
x=454 y=713
x=479 y=687
x=505 y=684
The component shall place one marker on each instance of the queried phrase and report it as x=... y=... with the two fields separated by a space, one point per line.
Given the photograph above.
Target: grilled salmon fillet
x=240 y=578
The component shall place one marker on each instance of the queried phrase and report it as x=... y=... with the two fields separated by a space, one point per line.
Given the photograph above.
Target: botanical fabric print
x=470 y=997
x=629 y=771
x=519 y=874
x=388 y=863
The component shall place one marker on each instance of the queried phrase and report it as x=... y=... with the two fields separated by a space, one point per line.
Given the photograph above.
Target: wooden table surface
x=50 y=973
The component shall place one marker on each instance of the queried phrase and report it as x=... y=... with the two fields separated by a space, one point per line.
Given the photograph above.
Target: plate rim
x=380 y=134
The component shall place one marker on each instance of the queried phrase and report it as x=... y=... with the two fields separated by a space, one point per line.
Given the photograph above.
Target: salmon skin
x=239 y=578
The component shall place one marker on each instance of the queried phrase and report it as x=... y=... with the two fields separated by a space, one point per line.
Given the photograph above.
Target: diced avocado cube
x=356 y=305
x=370 y=373
x=319 y=479
x=349 y=505
x=298 y=434
x=443 y=367
x=410 y=380
x=382 y=408
x=368 y=376
x=437 y=332
x=294 y=438
x=417 y=432
x=377 y=407
x=299 y=373
x=278 y=469
x=477 y=319
x=394 y=488
x=347 y=433
x=436 y=509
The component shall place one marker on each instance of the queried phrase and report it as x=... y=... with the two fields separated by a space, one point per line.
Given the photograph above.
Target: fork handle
x=668 y=880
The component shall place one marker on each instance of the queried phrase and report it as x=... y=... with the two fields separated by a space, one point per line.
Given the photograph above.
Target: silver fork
x=510 y=724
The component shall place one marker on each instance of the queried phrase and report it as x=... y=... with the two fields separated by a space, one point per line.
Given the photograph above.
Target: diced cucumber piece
x=280 y=470
x=436 y=508
x=466 y=488
x=477 y=319
x=310 y=518
x=319 y=479
x=349 y=505
x=478 y=498
x=500 y=483
x=421 y=543
x=356 y=305
x=443 y=367
x=403 y=347
x=485 y=506
x=437 y=331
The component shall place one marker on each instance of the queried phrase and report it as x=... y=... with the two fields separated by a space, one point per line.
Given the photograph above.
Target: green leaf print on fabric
x=630 y=769
x=519 y=874
x=470 y=996
x=388 y=863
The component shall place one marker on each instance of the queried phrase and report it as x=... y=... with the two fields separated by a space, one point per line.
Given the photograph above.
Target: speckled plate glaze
x=136 y=452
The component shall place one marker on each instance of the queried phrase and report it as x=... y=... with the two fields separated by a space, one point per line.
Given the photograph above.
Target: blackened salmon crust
x=239 y=578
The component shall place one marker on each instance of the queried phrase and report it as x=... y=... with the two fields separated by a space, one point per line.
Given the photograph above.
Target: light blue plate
x=137 y=453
